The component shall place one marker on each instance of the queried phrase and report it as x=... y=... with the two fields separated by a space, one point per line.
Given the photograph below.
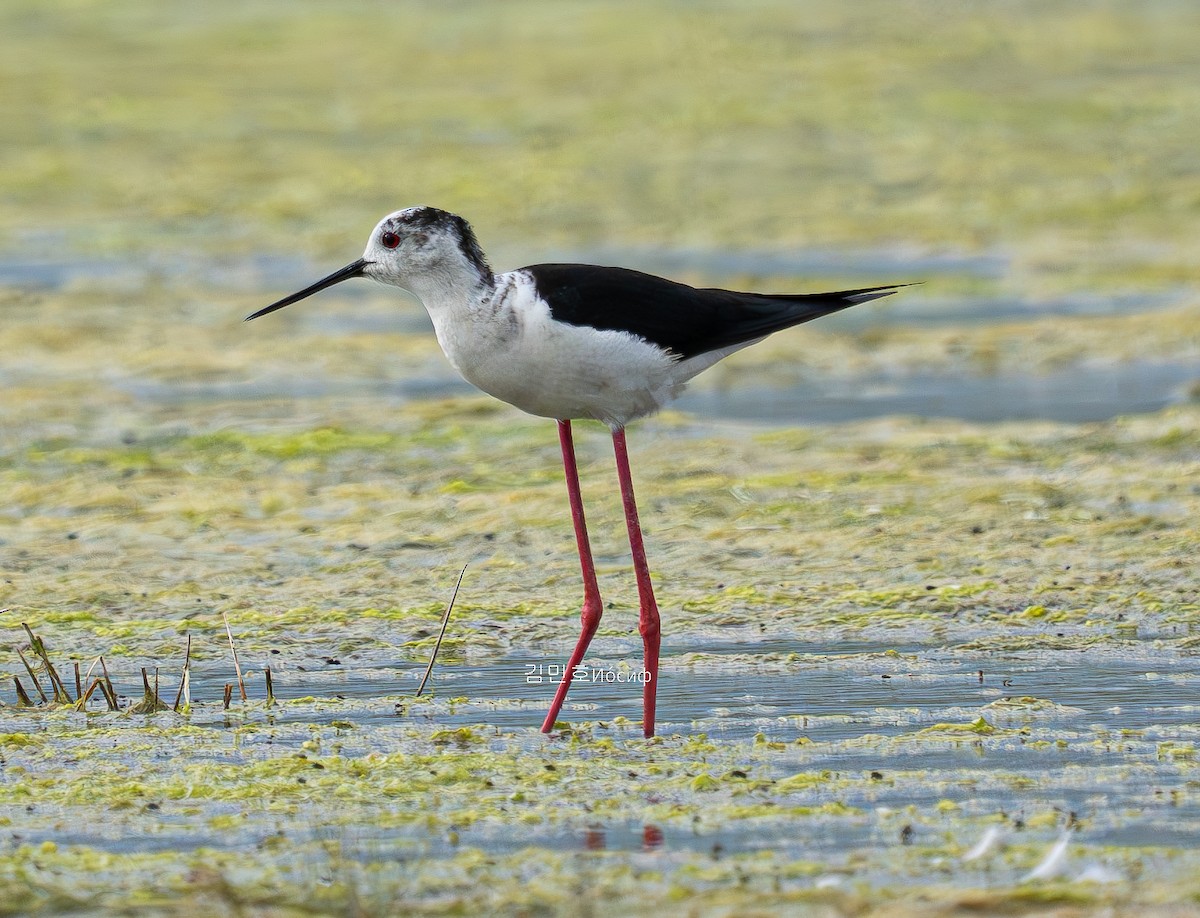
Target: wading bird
x=568 y=341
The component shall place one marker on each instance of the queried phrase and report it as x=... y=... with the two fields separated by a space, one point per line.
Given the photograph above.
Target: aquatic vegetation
x=441 y=781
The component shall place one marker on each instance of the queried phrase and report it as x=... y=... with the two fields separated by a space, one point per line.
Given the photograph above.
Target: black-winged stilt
x=568 y=341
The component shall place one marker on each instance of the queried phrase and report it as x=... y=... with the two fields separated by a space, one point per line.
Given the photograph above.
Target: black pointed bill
x=354 y=269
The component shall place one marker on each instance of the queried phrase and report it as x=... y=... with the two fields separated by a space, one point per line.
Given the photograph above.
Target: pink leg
x=592 y=607
x=648 y=622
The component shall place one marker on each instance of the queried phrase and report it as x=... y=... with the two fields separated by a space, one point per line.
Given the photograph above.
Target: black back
x=687 y=321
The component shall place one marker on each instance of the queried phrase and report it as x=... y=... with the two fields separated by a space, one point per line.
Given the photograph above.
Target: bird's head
x=418 y=248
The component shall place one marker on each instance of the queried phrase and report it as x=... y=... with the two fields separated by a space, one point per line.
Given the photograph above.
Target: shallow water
x=1080 y=394
x=1075 y=395
x=848 y=683
x=1075 y=722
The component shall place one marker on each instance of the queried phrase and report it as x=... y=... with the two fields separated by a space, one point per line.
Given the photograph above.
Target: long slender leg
x=648 y=622
x=592 y=608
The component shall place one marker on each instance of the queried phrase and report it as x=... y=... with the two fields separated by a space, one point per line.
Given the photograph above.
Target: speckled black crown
x=433 y=218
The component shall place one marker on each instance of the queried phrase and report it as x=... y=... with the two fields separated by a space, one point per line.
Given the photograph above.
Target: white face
x=418 y=241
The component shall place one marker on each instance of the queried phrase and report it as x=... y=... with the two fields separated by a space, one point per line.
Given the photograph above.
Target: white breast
x=510 y=347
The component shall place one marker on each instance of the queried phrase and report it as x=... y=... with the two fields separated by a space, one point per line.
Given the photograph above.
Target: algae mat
x=905 y=659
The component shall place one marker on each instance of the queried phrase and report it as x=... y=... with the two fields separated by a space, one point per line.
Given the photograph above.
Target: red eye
x=389 y=240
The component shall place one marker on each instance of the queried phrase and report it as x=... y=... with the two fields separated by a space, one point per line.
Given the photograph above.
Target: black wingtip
x=866 y=294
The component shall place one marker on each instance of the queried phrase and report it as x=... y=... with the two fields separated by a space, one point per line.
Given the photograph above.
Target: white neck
x=450 y=289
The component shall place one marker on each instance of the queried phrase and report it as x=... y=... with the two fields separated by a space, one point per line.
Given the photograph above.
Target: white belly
x=570 y=372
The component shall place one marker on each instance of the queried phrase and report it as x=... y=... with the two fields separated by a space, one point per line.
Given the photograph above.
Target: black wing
x=685 y=320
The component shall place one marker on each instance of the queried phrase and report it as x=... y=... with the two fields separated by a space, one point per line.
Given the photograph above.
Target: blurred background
x=1034 y=164
x=1057 y=134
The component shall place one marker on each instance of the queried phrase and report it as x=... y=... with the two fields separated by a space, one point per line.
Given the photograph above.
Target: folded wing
x=687 y=321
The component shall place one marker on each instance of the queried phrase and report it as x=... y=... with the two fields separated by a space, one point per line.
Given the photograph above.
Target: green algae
x=306 y=809
x=979 y=727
